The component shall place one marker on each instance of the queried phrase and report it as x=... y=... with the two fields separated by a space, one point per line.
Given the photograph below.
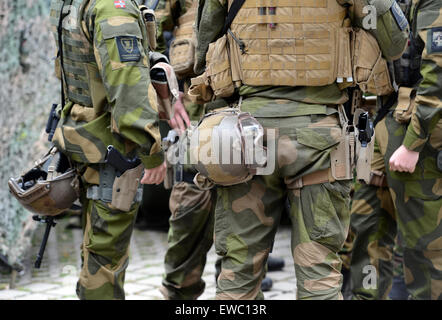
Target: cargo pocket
x=124 y=44
x=315 y=146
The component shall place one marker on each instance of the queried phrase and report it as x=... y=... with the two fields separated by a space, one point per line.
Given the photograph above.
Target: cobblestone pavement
x=56 y=278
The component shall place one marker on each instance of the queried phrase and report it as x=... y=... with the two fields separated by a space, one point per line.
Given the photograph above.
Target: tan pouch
x=404 y=109
x=342 y=156
x=218 y=68
x=370 y=70
x=182 y=56
x=200 y=91
x=151 y=26
x=125 y=188
x=344 y=76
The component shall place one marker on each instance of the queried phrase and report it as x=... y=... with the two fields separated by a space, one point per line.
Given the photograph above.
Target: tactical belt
x=105 y=194
x=317 y=177
x=378 y=179
x=103 y=191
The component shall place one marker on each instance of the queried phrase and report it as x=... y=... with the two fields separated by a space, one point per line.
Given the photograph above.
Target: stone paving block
x=12 y=294
x=154 y=281
x=153 y=294
x=284 y=286
x=280 y=275
x=132 y=288
x=284 y=296
x=134 y=276
x=63 y=291
x=38 y=296
x=40 y=287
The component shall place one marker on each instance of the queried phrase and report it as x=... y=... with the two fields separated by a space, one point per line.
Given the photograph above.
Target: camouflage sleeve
x=124 y=68
x=167 y=14
x=428 y=109
x=210 y=22
x=384 y=20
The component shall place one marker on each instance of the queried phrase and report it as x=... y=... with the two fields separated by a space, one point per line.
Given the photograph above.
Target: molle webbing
x=77 y=50
x=290 y=42
x=186 y=21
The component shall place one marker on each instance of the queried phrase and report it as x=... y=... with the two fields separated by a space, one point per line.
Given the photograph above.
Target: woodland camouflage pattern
x=247 y=215
x=110 y=101
x=104 y=91
x=416 y=197
x=191 y=224
x=189 y=239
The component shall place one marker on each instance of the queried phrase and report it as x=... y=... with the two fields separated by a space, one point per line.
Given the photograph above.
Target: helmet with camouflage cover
x=47 y=189
x=227 y=147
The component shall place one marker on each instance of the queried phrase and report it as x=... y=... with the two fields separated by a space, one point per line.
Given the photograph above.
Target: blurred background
x=28 y=88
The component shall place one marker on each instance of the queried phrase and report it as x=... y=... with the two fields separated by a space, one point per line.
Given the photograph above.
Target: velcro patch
x=128 y=48
x=399 y=16
x=435 y=35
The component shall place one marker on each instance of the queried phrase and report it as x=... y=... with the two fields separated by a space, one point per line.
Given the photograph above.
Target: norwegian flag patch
x=119 y=4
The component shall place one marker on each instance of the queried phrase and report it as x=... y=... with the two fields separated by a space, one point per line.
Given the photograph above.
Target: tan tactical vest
x=182 y=49
x=290 y=43
x=77 y=51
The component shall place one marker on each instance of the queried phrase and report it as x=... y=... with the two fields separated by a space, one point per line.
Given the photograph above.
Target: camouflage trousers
x=247 y=215
x=105 y=250
x=412 y=205
x=190 y=237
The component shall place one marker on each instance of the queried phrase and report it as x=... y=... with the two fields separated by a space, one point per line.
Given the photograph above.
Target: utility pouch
x=125 y=188
x=182 y=56
x=370 y=70
x=218 y=68
x=200 y=91
x=151 y=26
x=403 y=111
x=342 y=156
x=344 y=77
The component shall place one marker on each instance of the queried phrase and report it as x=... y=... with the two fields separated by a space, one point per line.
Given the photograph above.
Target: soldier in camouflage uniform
x=308 y=128
x=108 y=100
x=408 y=142
x=190 y=234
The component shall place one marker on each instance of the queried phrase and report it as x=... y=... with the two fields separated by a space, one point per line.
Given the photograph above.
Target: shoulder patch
x=399 y=16
x=120 y=4
x=435 y=35
x=128 y=48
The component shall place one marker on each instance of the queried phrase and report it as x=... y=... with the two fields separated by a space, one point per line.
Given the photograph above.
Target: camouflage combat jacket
x=270 y=101
x=105 y=71
x=426 y=123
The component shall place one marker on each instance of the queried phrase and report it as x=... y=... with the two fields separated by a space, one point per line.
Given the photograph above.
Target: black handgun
x=365 y=127
x=119 y=162
x=52 y=123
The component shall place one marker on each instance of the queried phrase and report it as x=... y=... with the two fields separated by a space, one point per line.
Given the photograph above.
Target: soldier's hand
x=404 y=160
x=180 y=120
x=154 y=175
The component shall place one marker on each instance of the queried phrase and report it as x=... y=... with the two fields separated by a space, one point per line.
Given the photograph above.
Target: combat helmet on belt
x=49 y=188
x=227 y=147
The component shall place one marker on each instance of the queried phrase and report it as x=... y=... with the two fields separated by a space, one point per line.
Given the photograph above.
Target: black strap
x=60 y=50
x=234 y=9
x=385 y=108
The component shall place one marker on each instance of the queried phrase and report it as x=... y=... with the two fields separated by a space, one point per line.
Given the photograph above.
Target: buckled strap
x=317 y=177
x=105 y=194
x=378 y=179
